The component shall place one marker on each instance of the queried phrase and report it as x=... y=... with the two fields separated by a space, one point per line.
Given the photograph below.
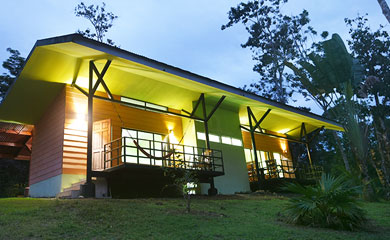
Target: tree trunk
x=188 y=203
x=385 y=9
x=341 y=149
x=381 y=168
x=383 y=136
x=368 y=191
x=381 y=174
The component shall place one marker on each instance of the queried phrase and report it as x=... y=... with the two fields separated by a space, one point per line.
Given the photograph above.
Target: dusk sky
x=184 y=34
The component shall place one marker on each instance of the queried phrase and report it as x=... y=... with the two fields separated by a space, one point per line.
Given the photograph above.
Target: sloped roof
x=56 y=61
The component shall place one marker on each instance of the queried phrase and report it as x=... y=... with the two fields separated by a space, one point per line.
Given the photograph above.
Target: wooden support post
x=90 y=125
x=309 y=155
x=252 y=131
x=88 y=189
x=303 y=134
x=205 y=123
x=212 y=191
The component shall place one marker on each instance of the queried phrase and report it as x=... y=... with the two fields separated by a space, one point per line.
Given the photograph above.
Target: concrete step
x=73 y=187
x=75 y=193
x=74 y=190
x=64 y=194
x=78 y=183
x=71 y=192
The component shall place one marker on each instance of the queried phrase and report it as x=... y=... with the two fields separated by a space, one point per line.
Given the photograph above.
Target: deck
x=143 y=155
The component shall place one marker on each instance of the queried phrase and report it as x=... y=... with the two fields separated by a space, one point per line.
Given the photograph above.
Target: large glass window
x=271 y=163
x=147 y=141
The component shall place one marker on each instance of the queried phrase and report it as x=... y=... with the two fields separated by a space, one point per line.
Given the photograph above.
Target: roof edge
x=80 y=39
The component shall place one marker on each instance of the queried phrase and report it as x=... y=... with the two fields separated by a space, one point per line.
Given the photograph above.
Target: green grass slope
x=236 y=217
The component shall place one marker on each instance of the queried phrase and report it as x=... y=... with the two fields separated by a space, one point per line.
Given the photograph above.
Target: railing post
x=104 y=156
x=124 y=150
x=184 y=157
x=150 y=152
x=174 y=160
x=118 y=152
x=193 y=156
x=138 y=150
x=162 y=154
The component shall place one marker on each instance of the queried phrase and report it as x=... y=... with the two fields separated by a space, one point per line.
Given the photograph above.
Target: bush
x=332 y=203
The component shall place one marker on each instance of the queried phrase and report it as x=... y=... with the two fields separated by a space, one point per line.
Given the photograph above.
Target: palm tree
x=331 y=203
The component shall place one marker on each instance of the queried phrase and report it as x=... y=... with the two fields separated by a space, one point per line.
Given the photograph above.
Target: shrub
x=331 y=203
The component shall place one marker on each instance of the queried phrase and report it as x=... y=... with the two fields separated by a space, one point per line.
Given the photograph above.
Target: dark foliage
x=13 y=177
x=13 y=65
x=331 y=203
x=273 y=38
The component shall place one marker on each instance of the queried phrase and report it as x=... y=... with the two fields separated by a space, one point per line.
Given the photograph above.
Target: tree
x=185 y=180
x=99 y=18
x=13 y=65
x=13 y=177
x=372 y=49
x=273 y=38
x=328 y=72
x=332 y=76
x=385 y=9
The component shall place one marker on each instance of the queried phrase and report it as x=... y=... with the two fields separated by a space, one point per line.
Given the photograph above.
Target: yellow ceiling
x=51 y=66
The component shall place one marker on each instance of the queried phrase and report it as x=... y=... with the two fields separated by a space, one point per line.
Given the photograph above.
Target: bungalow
x=102 y=121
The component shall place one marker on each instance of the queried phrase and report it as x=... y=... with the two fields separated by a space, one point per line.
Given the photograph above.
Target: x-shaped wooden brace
x=100 y=79
x=201 y=100
x=251 y=117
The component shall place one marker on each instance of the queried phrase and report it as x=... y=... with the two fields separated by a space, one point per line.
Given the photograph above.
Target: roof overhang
x=15 y=141
x=57 y=61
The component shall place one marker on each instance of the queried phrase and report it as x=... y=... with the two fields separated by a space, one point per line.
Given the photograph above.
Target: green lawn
x=237 y=217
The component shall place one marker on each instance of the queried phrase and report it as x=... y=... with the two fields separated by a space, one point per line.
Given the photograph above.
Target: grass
x=237 y=217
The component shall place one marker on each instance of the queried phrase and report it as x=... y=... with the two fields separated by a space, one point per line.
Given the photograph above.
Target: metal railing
x=157 y=153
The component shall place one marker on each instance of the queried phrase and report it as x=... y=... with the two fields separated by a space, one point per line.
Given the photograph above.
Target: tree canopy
x=100 y=19
x=13 y=64
x=273 y=38
x=351 y=86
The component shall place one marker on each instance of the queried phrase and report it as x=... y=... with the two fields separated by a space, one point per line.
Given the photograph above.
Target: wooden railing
x=284 y=170
x=139 y=151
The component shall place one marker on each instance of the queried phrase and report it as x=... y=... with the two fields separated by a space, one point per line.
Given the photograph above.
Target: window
x=248 y=155
x=214 y=138
x=226 y=140
x=133 y=101
x=264 y=156
x=278 y=158
x=236 y=142
x=152 y=143
x=201 y=136
x=155 y=106
x=273 y=163
x=143 y=105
